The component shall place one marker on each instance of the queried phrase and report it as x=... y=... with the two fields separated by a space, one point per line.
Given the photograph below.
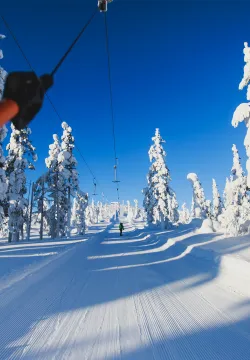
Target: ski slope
x=147 y=295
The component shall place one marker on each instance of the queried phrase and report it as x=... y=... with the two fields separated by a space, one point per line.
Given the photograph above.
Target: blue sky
x=175 y=65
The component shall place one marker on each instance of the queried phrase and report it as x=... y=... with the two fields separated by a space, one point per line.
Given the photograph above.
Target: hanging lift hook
x=115 y=171
x=103 y=5
x=94 y=181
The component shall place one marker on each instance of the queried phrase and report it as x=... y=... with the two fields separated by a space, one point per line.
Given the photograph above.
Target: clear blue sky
x=176 y=65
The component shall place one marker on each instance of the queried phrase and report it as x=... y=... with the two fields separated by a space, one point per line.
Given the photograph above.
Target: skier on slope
x=121 y=228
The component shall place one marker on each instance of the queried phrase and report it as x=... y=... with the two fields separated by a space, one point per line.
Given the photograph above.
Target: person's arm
x=8 y=110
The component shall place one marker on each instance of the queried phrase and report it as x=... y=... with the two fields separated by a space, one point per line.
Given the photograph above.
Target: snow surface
x=173 y=294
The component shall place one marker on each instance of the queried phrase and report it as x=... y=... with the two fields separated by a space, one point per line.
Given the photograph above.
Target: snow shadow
x=84 y=277
x=220 y=342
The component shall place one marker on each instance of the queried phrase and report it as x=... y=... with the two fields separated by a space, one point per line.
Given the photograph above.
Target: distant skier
x=121 y=228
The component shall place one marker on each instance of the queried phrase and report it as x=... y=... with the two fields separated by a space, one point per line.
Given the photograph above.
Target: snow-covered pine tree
x=3 y=133
x=40 y=192
x=184 y=215
x=228 y=194
x=88 y=216
x=3 y=73
x=52 y=182
x=217 y=203
x=78 y=212
x=68 y=177
x=130 y=214
x=209 y=209
x=242 y=112
x=173 y=213
x=192 y=210
x=149 y=201
x=236 y=215
x=100 y=208
x=239 y=178
x=200 y=207
x=136 y=210
x=157 y=194
x=21 y=156
x=3 y=183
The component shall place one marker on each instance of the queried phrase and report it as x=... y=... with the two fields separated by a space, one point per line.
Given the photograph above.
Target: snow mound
x=216 y=225
x=206 y=227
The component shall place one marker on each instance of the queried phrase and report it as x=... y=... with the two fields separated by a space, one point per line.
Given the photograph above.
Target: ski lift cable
x=56 y=68
x=73 y=43
x=111 y=102
x=110 y=87
x=24 y=92
x=48 y=97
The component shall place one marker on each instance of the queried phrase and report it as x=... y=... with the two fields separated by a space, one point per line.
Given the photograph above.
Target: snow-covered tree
x=173 y=213
x=200 y=207
x=236 y=214
x=98 y=211
x=149 y=201
x=136 y=209
x=239 y=178
x=62 y=181
x=192 y=210
x=92 y=213
x=3 y=73
x=158 y=196
x=78 y=212
x=21 y=155
x=41 y=192
x=209 y=209
x=130 y=214
x=184 y=215
x=228 y=193
x=68 y=177
x=3 y=133
x=217 y=203
x=242 y=112
x=3 y=182
x=52 y=182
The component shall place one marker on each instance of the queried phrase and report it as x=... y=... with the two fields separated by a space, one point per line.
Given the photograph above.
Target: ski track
x=177 y=310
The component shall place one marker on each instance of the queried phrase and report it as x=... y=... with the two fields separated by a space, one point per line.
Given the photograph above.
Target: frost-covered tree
x=209 y=209
x=91 y=213
x=68 y=177
x=192 y=211
x=52 y=182
x=158 y=196
x=98 y=211
x=3 y=182
x=88 y=217
x=149 y=201
x=240 y=181
x=78 y=212
x=236 y=214
x=228 y=193
x=3 y=73
x=242 y=112
x=200 y=208
x=3 y=133
x=173 y=213
x=136 y=209
x=184 y=215
x=41 y=202
x=21 y=156
x=217 y=203
x=130 y=214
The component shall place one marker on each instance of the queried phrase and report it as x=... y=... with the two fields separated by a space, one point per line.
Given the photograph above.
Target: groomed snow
x=150 y=294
